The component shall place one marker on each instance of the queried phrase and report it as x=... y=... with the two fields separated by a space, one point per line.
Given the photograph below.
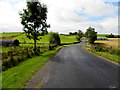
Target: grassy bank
x=106 y=55
x=17 y=76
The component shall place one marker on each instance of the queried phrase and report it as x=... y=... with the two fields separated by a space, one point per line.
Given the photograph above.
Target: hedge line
x=19 y=54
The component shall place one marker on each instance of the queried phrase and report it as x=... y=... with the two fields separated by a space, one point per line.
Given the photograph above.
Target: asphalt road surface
x=73 y=67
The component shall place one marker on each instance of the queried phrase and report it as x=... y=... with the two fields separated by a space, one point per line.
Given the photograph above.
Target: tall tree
x=91 y=35
x=79 y=35
x=33 y=20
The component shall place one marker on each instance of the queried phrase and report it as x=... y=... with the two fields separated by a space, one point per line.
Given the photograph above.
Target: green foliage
x=79 y=35
x=107 y=55
x=54 y=39
x=111 y=51
x=17 y=55
x=110 y=36
x=91 y=35
x=34 y=21
x=74 y=33
x=17 y=76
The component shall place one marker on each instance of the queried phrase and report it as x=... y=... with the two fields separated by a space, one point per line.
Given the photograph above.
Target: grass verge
x=17 y=76
x=106 y=55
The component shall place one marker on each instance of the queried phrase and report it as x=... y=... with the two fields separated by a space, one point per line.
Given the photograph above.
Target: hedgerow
x=18 y=54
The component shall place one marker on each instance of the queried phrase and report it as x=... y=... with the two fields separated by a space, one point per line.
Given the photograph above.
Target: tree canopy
x=91 y=35
x=79 y=35
x=33 y=19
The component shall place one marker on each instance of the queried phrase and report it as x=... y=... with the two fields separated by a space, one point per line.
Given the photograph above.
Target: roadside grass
x=40 y=85
x=17 y=76
x=107 y=55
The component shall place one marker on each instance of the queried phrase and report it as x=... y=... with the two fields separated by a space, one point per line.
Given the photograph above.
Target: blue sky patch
x=97 y=18
x=89 y=18
x=113 y=3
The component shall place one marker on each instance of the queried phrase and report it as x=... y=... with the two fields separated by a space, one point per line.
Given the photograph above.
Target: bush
x=54 y=39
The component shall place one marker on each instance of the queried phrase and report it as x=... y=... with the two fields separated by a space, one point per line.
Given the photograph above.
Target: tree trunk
x=35 y=46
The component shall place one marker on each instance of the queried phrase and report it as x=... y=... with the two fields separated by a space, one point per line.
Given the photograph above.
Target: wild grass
x=112 y=43
x=107 y=55
x=17 y=76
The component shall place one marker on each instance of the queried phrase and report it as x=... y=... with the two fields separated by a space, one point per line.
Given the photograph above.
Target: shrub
x=54 y=39
x=17 y=55
x=98 y=49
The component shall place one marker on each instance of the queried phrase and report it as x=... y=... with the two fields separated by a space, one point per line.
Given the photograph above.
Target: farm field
x=10 y=34
x=110 y=43
x=44 y=39
x=102 y=35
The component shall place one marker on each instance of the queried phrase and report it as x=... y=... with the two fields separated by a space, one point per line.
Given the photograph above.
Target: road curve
x=73 y=67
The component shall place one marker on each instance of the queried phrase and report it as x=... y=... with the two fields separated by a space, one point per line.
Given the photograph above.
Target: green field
x=45 y=39
x=102 y=35
x=10 y=34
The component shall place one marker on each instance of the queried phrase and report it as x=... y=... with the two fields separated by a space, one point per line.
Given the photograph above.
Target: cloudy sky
x=65 y=16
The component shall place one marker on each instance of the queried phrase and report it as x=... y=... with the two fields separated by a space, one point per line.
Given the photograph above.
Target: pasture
x=44 y=39
x=102 y=35
x=10 y=34
x=43 y=42
x=110 y=43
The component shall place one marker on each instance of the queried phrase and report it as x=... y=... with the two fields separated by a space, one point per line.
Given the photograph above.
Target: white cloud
x=110 y=25
x=9 y=18
x=62 y=16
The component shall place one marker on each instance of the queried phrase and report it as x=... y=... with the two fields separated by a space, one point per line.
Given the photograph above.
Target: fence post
x=38 y=49
x=50 y=48
x=28 y=56
x=11 y=61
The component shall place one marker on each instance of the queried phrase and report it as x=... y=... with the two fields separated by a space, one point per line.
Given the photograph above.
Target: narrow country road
x=73 y=67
